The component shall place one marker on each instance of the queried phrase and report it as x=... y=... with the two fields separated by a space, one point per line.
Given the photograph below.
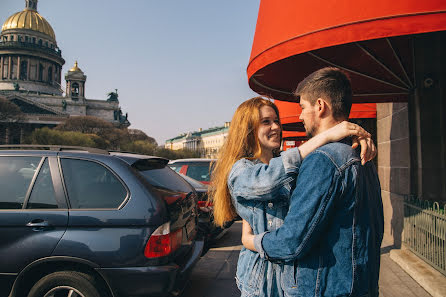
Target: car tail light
x=204 y=204
x=162 y=242
x=173 y=198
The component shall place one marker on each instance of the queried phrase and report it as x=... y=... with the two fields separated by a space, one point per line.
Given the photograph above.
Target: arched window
x=75 y=90
x=40 y=42
x=40 y=72
x=50 y=74
x=23 y=70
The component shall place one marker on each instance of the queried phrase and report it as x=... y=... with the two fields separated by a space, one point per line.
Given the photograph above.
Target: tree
x=54 y=137
x=136 y=134
x=86 y=124
x=9 y=112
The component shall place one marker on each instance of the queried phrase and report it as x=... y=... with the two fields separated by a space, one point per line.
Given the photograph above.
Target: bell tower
x=75 y=79
x=31 y=5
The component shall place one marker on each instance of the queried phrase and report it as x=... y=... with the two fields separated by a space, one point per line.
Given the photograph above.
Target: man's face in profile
x=308 y=116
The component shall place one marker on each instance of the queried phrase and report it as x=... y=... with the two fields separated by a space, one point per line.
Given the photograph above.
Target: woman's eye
x=265 y=122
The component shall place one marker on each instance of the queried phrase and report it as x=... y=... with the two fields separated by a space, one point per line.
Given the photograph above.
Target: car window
x=16 y=174
x=42 y=194
x=198 y=171
x=91 y=185
x=162 y=177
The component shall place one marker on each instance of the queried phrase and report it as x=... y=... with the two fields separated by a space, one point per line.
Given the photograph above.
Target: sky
x=178 y=65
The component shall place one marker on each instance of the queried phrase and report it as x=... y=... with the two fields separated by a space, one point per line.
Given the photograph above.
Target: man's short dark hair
x=331 y=84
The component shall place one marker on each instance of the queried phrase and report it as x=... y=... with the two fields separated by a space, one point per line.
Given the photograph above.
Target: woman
x=249 y=180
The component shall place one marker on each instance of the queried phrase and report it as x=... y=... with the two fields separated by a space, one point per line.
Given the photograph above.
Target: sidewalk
x=214 y=274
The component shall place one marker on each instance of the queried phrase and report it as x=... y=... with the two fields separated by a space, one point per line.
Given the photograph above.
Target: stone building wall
x=393 y=166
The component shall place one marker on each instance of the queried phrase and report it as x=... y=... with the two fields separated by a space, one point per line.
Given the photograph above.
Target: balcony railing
x=425 y=231
x=28 y=45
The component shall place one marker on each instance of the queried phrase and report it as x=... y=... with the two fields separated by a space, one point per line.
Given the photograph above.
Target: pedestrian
x=252 y=180
x=331 y=237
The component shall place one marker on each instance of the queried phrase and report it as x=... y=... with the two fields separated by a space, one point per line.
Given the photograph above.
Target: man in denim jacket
x=334 y=226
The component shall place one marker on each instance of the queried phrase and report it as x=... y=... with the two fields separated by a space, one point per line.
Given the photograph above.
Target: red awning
x=370 y=40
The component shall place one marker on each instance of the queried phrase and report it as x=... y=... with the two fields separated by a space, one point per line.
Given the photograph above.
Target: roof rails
x=58 y=148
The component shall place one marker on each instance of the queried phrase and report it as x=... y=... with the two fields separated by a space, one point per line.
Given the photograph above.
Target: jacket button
x=270 y=205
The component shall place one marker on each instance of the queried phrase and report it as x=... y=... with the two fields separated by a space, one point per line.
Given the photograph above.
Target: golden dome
x=31 y=20
x=75 y=68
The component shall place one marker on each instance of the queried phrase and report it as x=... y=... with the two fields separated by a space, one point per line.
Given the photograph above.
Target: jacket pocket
x=289 y=278
x=250 y=275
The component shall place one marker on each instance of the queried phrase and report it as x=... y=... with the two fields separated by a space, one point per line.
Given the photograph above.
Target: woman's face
x=269 y=129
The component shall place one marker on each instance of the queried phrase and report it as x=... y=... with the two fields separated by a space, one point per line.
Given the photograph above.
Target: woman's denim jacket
x=333 y=229
x=260 y=193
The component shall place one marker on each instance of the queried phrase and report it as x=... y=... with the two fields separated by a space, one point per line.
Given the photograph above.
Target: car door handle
x=38 y=223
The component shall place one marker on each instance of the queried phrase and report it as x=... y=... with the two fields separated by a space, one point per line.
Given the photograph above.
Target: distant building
x=207 y=142
x=30 y=76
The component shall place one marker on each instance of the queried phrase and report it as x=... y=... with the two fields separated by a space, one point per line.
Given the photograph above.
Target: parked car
x=206 y=227
x=87 y=222
x=198 y=169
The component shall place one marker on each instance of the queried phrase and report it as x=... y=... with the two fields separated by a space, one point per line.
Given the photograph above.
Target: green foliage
x=55 y=137
x=148 y=148
x=93 y=132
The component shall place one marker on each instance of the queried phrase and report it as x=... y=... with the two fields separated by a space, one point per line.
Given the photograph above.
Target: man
x=334 y=226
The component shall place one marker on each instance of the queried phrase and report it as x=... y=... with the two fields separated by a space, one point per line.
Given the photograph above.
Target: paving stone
x=213 y=276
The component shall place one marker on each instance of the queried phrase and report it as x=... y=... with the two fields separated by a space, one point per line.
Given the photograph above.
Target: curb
x=430 y=279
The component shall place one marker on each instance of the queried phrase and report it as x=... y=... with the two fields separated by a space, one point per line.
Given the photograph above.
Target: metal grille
x=425 y=231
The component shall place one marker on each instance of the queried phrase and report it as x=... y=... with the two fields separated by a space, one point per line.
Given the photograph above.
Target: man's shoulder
x=338 y=153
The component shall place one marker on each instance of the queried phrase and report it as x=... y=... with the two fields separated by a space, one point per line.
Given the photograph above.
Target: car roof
x=32 y=149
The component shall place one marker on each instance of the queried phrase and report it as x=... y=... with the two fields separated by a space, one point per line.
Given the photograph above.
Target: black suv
x=86 y=222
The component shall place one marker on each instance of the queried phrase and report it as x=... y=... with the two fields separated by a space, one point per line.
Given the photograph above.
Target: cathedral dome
x=29 y=19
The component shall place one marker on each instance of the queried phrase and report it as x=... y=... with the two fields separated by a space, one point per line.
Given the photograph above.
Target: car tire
x=61 y=282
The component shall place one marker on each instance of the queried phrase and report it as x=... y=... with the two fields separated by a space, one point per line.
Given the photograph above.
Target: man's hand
x=248 y=236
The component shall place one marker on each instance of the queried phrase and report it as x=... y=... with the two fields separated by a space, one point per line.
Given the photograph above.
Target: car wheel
x=66 y=284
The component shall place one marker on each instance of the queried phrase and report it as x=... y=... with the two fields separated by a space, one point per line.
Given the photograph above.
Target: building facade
x=207 y=142
x=31 y=74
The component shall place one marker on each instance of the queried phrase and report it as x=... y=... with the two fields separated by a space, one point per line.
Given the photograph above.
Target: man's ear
x=323 y=108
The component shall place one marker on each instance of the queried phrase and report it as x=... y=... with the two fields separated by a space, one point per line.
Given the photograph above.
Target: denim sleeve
x=312 y=205
x=248 y=180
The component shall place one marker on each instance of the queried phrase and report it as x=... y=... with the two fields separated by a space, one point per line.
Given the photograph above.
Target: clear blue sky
x=178 y=65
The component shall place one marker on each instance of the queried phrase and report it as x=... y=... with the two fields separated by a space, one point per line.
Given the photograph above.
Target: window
x=16 y=174
x=42 y=194
x=40 y=77
x=161 y=176
x=75 y=90
x=91 y=185
x=50 y=74
x=199 y=172
x=23 y=70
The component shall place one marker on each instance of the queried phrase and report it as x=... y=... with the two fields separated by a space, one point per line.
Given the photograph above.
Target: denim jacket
x=260 y=193
x=333 y=229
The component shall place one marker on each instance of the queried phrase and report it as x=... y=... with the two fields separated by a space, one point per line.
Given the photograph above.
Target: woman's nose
x=275 y=126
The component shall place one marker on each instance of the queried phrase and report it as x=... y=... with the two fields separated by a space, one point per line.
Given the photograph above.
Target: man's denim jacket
x=260 y=193
x=333 y=229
